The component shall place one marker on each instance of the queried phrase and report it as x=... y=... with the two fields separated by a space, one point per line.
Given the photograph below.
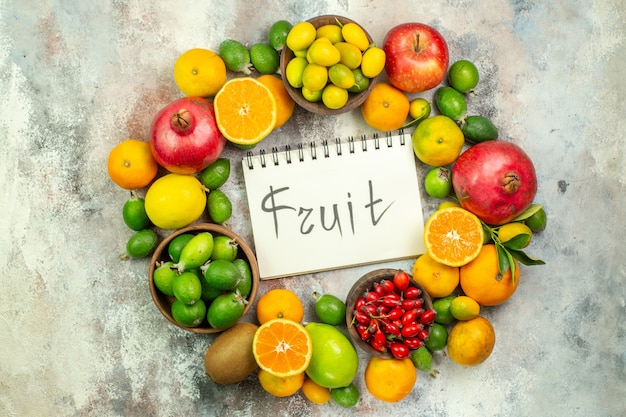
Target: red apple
x=416 y=57
x=495 y=180
x=184 y=137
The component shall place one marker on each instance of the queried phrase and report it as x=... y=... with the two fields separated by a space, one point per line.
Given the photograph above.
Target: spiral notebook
x=334 y=204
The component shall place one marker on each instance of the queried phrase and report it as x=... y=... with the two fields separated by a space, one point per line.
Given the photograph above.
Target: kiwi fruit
x=229 y=358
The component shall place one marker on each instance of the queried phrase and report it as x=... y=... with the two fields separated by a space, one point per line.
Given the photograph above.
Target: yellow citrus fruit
x=301 y=36
x=295 y=70
x=355 y=34
x=175 y=200
x=245 y=111
x=331 y=32
x=446 y=204
x=464 y=308
x=323 y=52
x=438 y=280
x=385 y=108
x=131 y=164
x=279 y=303
x=334 y=97
x=314 y=392
x=508 y=231
x=390 y=380
x=282 y=347
x=373 y=62
x=470 y=342
x=199 y=73
x=314 y=77
x=280 y=386
x=419 y=108
x=481 y=279
x=285 y=105
x=453 y=236
x=351 y=56
x=438 y=141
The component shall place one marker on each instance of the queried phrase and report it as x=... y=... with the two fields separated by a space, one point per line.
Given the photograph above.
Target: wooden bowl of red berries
x=388 y=313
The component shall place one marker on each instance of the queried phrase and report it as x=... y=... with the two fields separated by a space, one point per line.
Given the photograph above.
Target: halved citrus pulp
x=245 y=110
x=453 y=236
x=282 y=347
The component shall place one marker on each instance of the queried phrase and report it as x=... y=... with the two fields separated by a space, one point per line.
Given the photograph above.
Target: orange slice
x=245 y=110
x=453 y=236
x=282 y=347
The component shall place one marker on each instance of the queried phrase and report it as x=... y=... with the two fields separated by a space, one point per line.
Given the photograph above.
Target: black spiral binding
x=350 y=141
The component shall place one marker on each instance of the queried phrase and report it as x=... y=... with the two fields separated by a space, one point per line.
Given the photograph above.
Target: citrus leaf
x=503 y=260
x=413 y=122
x=512 y=264
x=528 y=212
x=525 y=259
x=518 y=242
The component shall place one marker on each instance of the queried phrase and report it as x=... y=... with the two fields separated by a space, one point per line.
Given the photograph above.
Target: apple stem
x=417 y=42
x=182 y=120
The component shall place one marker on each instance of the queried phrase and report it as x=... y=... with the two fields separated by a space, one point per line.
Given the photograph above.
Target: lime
x=350 y=55
x=479 y=129
x=334 y=97
x=236 y=56
x=537 y=222
x=341 y=76
x=176 y=245
x=222 y=274
x=442 y=310
x=437 y=337
x=330 y=309
x=301 y=36
x=224 y=247
x=438 y=182
x=164 y=276
x=187 y=288
x=347 y=396
x=451 y=103
x=464 y=308
x=141 y=244
x=312 y=96
x=196 y=252
x=216 y=174
x=361 y=82
x=175 y=201
x=189 y=315
x=463 y=76
x=517 y=234
x=277 y=35
x=314 y=77
x=245 y=285
x=331 y=32
x=134 y=213
x=226 y=310
x=264 y=58
x=294 y=71
x=219 y=206
x=422 y=359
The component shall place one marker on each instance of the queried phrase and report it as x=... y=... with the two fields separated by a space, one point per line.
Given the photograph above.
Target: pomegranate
x=495 y=180
x=184 y=138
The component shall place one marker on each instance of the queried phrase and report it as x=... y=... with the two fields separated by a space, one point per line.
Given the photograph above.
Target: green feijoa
x=236 y=56
x=451 y=103
x=216 y=174
x=163 y=277
x=226 y=310
x=277 y=35
x=463 y=76
x=187 y=288
x=219 y=206
x=347 y=396
x=224 y=247
x=245 y=285
x=422 y=359
x=437 y=337
x=538 y=221
x=141 y=244
x=189 y=315
x=209 y=293
x=479 y=129
x=330 y=309
x=222 y=274
x=134 y=213
x=176 y=245
x=196 y=252
x=264 y=58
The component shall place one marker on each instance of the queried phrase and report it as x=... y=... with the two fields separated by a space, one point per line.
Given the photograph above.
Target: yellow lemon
x=174 y=201
x=508 y=231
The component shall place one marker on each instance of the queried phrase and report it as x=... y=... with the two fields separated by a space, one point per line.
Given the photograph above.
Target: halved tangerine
x=282 y=347
x=453 y=236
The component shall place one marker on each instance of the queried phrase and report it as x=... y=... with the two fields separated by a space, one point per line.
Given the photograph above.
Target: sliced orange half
x=245 y=110
x=282 y=347
x=453 y=236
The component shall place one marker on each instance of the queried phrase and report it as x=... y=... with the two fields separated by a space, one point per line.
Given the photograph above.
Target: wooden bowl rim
x=364 y=283
x=354 y=99
x=161 y=299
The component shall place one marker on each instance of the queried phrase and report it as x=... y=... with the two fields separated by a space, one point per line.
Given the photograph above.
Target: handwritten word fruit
x=495 y=180
x=334 y=360
x=131 y=165
x=184 y=137
x=416 y=57
x=199 y=72
x=229 y=357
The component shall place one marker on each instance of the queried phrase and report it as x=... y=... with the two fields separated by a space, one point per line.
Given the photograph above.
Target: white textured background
x=79 y=334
